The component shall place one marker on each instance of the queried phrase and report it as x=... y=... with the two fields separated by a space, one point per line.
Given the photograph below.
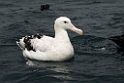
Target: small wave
x=88 y=44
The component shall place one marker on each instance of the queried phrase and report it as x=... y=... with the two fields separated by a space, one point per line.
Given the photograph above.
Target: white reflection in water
x=61 y=69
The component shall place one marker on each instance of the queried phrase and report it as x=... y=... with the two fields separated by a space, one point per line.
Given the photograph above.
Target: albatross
x=45 y=48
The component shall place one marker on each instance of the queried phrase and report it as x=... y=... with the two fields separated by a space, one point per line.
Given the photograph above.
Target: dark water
x=97 y=60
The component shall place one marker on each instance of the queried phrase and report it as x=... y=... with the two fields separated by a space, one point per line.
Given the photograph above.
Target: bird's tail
x=21 y=44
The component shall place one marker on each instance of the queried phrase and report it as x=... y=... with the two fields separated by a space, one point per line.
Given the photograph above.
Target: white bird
x=46 y=48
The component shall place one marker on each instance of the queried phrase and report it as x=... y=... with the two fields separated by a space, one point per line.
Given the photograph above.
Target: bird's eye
x=65 y=22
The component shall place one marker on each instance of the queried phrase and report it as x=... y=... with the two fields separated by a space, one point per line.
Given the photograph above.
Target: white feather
x=48 y=48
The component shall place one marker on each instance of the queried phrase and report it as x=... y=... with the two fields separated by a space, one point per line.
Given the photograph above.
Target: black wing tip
x=119 y=40
x=114 y=38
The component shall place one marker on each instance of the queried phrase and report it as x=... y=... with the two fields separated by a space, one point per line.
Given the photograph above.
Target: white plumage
x=45 y=48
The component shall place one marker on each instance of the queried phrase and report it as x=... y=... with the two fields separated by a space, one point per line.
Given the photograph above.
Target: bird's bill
x=73 y=28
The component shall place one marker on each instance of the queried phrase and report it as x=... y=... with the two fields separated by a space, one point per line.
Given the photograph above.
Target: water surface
x=96 y=60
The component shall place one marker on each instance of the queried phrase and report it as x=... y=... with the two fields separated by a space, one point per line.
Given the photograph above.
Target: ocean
x=96 y=59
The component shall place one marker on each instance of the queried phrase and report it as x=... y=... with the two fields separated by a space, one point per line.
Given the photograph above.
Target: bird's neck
x=61 y=34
